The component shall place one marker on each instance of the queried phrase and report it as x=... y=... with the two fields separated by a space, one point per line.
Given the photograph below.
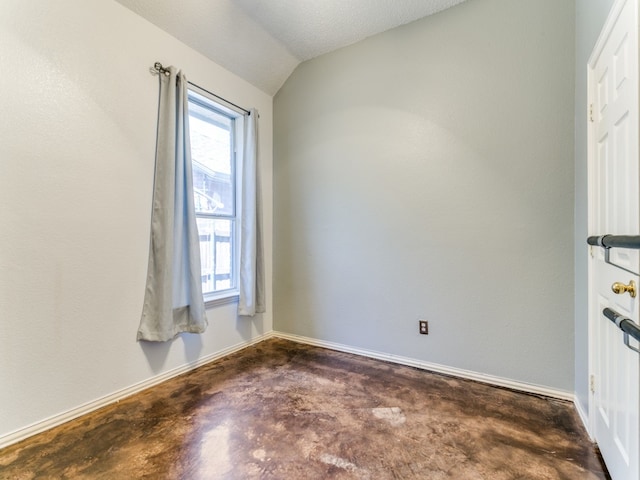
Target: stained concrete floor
x=282 y=410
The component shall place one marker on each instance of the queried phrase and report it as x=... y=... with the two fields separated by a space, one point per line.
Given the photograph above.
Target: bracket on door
x=615 y=241
x=629 y=327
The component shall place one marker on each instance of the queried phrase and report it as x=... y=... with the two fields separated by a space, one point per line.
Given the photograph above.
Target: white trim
x=214 y=301
x=119 y=395
x=434 y=367
x=584 y=417
x=612 y=18
x=591 y=419
x=59 y=419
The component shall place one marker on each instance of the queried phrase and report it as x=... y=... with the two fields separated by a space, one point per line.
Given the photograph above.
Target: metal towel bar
x=615 y=241
x=628 y=326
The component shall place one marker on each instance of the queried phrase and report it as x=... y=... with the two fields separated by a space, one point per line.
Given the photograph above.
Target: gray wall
x=590 y=17
x=427 y=172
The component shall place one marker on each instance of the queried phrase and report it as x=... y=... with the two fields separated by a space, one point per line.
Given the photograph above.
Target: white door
x=614 y=208
x=615 y=404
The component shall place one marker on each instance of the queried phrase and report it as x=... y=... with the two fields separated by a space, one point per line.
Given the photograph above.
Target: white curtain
x=252 y=295
x=173 y=301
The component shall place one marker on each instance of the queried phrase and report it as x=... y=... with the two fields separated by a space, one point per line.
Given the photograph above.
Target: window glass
x=212 y=133
x=216 y=254
x=211 y=153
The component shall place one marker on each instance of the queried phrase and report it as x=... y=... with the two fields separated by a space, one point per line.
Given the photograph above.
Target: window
x=215 y=131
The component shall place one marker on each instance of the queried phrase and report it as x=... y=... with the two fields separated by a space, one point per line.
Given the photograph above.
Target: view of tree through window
x=214 y=185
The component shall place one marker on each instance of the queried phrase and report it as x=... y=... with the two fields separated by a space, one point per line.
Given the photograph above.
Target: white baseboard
x=584 y=417
x=59 y=419
x=434 y=367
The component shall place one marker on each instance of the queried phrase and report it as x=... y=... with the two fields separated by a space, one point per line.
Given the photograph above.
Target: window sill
x=216 y=302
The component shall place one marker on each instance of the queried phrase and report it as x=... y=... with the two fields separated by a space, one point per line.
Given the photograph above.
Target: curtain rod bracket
x=158 y=69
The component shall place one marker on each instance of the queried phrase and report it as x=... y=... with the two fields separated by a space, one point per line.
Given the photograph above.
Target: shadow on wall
x=247 y=326
x=157 y=352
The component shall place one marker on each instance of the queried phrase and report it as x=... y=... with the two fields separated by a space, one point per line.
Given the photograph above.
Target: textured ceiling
x=263 y=41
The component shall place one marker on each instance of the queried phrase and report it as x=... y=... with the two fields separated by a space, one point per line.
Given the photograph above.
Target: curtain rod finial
x=157 y=69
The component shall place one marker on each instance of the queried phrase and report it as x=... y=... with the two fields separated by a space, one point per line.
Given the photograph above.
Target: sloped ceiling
x=263 y=41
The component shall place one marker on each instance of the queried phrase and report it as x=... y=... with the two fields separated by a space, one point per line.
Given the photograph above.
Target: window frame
x=206 y=100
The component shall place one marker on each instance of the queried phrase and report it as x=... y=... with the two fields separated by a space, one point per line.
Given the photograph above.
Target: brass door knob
x=620 y=288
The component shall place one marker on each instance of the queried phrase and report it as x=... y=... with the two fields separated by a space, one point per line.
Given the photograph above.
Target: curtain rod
x=158 y=69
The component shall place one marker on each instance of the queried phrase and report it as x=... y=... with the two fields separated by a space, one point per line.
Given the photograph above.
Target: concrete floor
x=281 y=410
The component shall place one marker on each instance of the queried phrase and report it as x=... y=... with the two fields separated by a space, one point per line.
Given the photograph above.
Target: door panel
x=614 y=208
x=615 y=102
x=616 y=424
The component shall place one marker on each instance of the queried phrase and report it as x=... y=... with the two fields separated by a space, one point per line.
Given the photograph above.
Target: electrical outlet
x=424 y=327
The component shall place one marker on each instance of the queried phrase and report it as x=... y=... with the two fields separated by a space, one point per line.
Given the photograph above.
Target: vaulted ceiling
x=263 y=41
